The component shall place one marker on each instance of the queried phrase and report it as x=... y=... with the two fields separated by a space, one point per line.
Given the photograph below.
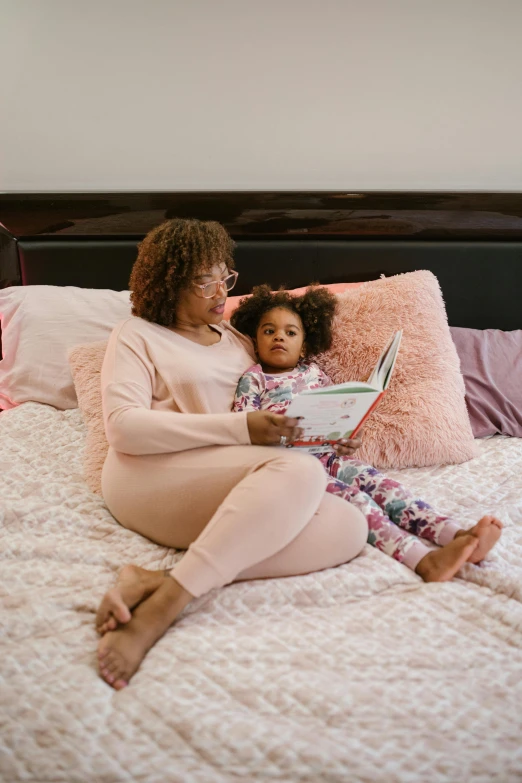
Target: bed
x=358 y=673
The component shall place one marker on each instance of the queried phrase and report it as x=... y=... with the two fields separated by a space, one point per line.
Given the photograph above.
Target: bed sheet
x=357 y=673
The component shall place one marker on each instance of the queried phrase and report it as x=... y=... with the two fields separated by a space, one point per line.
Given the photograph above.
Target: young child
x=286 y=330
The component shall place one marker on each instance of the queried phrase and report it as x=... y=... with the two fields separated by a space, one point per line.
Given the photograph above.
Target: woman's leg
x=310 y=550
x=313 y=548
x=262 y=502
x=249 y=505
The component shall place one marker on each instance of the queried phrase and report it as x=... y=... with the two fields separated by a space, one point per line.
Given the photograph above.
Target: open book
x=334 y=412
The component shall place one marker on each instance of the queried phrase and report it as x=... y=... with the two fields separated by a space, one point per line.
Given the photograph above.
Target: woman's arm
x=130 y=424
x=133 y=428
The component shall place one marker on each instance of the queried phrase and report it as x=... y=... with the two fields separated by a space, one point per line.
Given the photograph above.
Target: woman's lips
x=219 y=309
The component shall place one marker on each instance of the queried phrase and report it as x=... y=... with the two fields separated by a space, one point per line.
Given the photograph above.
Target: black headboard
x=472 y=242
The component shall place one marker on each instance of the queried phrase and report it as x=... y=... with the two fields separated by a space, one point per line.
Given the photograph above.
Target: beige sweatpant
x=242 y=512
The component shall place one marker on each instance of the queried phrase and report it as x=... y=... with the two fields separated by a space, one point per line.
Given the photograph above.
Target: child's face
x=279 y=340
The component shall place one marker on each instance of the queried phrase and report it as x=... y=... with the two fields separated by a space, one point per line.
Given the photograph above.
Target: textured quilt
x=357 y=673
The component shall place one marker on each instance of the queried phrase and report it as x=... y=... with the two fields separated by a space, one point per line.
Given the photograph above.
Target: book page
x=330 y=416
x=341 y=388
x=334 y=412
x=380 y=377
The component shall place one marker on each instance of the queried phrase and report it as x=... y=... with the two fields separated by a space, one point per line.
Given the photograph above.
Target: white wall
x=260 y=94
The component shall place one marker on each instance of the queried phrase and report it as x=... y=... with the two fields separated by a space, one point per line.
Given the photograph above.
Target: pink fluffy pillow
x=422 y=419
x=86 y=364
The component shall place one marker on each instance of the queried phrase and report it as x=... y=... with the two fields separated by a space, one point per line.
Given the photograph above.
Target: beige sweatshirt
x=156 y=386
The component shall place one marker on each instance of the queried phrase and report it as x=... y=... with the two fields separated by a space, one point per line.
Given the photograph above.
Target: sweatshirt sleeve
x=249 y=390
x=324 y=380
x=133 y=428
x=316 y=377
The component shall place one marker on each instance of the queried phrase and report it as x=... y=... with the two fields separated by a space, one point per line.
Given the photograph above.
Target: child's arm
x=249 y=391
x=317 y=378
x=324 y=379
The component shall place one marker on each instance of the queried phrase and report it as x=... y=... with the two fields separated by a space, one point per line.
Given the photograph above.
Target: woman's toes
x=104 y=649
x=107 y=676
x=118 y=608
x=113 y=610
x=111 y=669
x=112 y=662
x=110 y=625
x=101 y=614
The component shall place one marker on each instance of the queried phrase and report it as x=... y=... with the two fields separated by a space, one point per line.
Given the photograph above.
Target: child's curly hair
x=315 y=308
x=169 y=258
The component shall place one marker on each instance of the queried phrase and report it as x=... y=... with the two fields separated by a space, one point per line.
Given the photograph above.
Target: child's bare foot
x=488 y=531
x=121 y=652
x=133 y=585
x=442 y=564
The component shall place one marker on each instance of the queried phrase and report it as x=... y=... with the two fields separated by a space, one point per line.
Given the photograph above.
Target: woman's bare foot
x=121 y=652
x=488 y=531
x=442 y=564
x=134 y=584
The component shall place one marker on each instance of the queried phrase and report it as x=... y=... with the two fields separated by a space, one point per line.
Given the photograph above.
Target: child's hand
x=267 y=429
x=347 y=447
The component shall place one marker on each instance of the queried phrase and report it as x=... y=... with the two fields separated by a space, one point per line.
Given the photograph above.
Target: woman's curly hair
x=315 y=308
x=169 y=258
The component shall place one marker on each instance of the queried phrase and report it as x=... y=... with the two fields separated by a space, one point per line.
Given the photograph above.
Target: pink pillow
x=39 y=324
x=86 y=364
x=422 y=420
x=336 y=288
x=491 y=363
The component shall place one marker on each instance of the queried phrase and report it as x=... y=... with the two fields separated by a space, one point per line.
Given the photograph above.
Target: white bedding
x=358 y=673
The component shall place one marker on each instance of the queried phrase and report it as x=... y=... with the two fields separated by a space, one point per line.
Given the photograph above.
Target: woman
x=185 y=471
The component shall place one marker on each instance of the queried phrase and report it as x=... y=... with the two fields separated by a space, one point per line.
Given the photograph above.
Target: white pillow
x=40 y=323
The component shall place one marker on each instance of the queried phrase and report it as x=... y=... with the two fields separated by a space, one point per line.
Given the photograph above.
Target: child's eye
x=292 y=334
x=268 y=331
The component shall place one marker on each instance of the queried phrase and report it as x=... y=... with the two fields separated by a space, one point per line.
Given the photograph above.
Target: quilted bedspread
x=357 y=673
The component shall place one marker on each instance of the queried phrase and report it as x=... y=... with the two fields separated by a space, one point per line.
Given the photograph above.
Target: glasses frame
x=218 y=283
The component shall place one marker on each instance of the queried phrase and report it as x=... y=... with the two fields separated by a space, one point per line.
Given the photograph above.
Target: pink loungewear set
x=181 y=469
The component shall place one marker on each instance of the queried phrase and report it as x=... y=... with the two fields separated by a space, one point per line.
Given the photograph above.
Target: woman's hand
x=266 y=429
x=347 y=447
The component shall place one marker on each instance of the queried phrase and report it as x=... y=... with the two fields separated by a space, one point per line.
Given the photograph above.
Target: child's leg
x=433 y=566
x=382 y=533
x=412 y=514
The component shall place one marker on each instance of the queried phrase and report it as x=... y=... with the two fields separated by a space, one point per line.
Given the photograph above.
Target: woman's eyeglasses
x=208 y=290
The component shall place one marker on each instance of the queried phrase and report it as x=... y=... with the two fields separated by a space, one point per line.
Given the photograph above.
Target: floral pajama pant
x=396 y=519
